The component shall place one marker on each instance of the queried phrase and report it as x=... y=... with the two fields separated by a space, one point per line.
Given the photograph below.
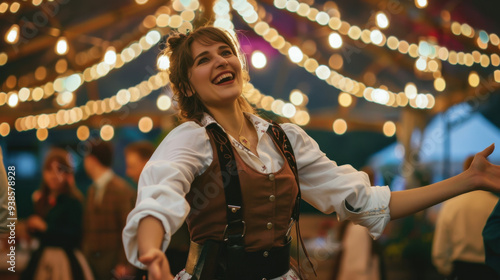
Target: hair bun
x=175 y=40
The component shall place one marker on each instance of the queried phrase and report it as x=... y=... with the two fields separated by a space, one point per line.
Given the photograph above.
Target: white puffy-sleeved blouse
x=186 y=152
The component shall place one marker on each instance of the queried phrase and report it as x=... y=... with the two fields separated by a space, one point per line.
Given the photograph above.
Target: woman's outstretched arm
x=481 y=175
x=149 y=239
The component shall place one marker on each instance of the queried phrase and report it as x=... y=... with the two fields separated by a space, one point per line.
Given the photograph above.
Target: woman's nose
x=221 y=62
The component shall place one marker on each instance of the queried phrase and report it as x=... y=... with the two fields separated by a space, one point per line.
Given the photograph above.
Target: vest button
x=271 y=177
x=272 y=198
x=266 y=253
x=269 y=225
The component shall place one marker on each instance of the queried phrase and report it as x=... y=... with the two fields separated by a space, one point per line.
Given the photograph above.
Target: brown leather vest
x=268 y=202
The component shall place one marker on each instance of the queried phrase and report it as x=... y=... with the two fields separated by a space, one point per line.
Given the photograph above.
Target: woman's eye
x=226 y=53
x=202 y=60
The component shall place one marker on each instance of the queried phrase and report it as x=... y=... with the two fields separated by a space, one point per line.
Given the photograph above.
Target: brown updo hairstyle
x=181 y=60
x=62 y=158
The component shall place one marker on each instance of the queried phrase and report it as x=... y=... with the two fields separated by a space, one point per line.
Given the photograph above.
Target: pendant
x=244 y=141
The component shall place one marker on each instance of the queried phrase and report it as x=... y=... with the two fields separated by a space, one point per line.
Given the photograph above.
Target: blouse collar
x=259 y=124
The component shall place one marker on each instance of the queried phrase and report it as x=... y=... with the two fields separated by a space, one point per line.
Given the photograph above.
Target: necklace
x=243 y=140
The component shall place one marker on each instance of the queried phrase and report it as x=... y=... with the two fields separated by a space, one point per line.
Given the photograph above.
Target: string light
x=410 y=90
x=110 y=56
x=295 y=54
x=107 y=132
x=332 y=77
x=163 y=102
x=439 y=84
x=61 y=46
x=128 y=54
x=99 y=107
x=335 y=40
x=339 y=126
x=297 y=97
x=42 y=134
x=145 y=43
x=4 y=129
x=277 y=106
x=376 y=37
x=389 y=128
x=163 y=62
x=83 y=132
x=3 y=7
x=421 y=4
x=473 y=79
x=379 y=95
x=345 y=99
x=258 y=59
x=3 y=58
x=483 y=38
x=13 y=100
x=14 y=7
x=145 y=124
x=12 y=34
x=382 y=20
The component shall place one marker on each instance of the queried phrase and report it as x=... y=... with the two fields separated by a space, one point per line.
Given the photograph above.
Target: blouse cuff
x=375 y=215
x=129 y=234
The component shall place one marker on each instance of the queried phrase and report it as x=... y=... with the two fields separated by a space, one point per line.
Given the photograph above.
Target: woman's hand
x=36 y=223
x=157 y=263
x=484 y=174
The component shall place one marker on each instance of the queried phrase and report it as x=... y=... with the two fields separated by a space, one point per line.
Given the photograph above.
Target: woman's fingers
x=147 y=258
x=486 y=152
x=158 y=268
x=154 y=271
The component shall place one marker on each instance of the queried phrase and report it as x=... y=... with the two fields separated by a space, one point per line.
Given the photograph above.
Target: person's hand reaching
x=157 y=263
x=484 y=174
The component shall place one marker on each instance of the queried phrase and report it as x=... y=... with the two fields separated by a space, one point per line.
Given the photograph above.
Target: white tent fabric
x=467 y=138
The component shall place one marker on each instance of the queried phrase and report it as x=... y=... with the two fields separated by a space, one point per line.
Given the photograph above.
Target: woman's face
x=216 y=74
x=55 y=177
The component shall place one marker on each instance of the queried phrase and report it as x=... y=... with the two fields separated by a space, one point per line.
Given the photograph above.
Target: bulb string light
x=15 y=6
x=297 y=114
x=379 y=95
x=93 y=107
x=483 y=38
x=422 y=49
x=126 y=96
x=99 y=70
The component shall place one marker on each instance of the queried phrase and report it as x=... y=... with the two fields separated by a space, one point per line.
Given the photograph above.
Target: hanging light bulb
x=382 y=20
x=62 y=46
x=421 y=3
x=163 y=62
x=259 y=59
x=335 y=40
x=110 y=56
x=12 y=35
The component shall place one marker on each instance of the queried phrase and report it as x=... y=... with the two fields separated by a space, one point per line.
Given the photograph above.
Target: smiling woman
x=238 y=179
x=190 y=105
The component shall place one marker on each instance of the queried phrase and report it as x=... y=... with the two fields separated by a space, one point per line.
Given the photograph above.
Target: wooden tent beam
x=91 y=25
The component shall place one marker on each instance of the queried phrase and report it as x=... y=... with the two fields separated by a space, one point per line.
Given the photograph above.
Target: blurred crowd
x=71 y=235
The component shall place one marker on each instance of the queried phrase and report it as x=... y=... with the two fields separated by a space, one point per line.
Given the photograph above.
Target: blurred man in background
x=109 y=200
x=457 y=249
